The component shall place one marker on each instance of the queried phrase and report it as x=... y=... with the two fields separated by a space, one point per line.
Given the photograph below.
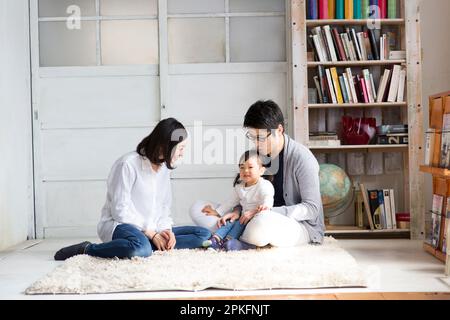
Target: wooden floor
x=344 y=296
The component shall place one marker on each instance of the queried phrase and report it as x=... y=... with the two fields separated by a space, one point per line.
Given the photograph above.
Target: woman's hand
x=159 y=242
x=232 y=216
x=262 y=208
x=247 y=216
x=209 y=211
x=169 y=236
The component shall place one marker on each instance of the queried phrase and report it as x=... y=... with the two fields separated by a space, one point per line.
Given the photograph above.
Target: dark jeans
x=128 y=241
x=232 y=230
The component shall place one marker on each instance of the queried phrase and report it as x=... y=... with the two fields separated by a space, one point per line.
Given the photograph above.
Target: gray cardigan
x=301 y=188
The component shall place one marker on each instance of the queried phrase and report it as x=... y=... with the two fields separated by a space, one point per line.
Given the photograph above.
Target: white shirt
x=249 y=198
x=136 y=195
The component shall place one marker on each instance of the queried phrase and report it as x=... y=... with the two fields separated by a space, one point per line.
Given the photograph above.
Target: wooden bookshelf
x=439 y=107
x=407 y=29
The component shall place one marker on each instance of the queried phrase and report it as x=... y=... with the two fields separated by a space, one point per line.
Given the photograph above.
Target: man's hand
x=247 y=216
x=232 y=216
x=209 y=211
x=169 y=236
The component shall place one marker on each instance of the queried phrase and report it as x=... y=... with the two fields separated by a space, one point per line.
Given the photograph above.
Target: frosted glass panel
x=129 y=7
x=196 y=6
x=257 y=39
x=129 y=42
x=257 y=6
x=196 y=40
x=58 y=8
x=60 y=46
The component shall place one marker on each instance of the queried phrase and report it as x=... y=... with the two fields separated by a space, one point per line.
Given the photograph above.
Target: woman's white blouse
x=136 y=195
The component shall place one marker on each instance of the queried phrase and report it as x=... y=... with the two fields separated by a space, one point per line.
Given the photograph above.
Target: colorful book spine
x=340 y=9
x=331 y=9
x=357 y=14
x=337 y=87
x=348 y=9
x=374 y=9
x=365 y=9
x=392 y=9
x=383 y=8
x=313 y=10
x=323 y=9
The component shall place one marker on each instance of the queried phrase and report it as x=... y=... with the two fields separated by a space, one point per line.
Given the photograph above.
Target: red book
x=339 y=45
x=364 y=89
x=383 y=8
x=323 y=9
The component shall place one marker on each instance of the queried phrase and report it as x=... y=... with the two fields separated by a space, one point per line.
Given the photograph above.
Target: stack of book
x=392 y=134
x=380 y=208
x=324 y=139
x=347 y=88
x=351 y=9
x=352 y=45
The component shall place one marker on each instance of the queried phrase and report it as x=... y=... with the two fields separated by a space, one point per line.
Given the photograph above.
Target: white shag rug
x=307 y=266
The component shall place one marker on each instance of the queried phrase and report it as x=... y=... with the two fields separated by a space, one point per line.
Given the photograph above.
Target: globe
x=336 y=190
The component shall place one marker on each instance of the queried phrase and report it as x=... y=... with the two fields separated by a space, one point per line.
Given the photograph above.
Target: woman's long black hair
x=261 y=159
x=162 y=141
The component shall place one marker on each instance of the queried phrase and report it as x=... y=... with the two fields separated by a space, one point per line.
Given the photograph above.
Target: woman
x=136 y=216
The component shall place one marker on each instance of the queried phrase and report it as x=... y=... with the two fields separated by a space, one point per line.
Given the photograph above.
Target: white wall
x=436 y=60
x=15 y=125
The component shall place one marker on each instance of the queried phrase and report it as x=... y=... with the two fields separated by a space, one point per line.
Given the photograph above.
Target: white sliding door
x=106 y=71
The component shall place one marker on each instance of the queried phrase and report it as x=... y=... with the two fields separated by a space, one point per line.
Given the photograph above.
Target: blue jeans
x=128 y=241
x=232 y=230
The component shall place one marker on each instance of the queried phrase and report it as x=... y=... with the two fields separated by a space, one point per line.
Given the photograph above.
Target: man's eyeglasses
x=252 y=137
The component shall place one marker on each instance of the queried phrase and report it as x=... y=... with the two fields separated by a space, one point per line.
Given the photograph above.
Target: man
x=297 y=216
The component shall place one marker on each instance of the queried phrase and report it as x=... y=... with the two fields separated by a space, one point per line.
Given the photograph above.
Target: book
x=319 y=49
x=357 y=9
x=373 y=44
x=401 y=86
x=331 y=86
x=313 y=9
x=362 y=45
x=374 y=9
x=393 y=90
x=347 y=88
x=323 y=85
x=331 y=9
x=359 y=210
x=375 y=209
x=387 y=208
x=368 y=83
x=383 y=8
x=436 y=215
x=367 y=46
x=365 y=197
x=345 y=45
x=373 y=87
x=363 y=88
x=445 y=150
x=429 y=146
x=383 y=85
x=318 y=88
x=357 y=46
x=323 y=9
x=365 y=9
x=401 y=138
x=446 y=227
x=336 y=85
x=349 y=9
x=343 y=89
x=339 y=45
x=392 y=9
x=330 y=43
x=393 y=210
x=340 y=9
x=397 y=55
x=383 y=217
x=352 y=84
